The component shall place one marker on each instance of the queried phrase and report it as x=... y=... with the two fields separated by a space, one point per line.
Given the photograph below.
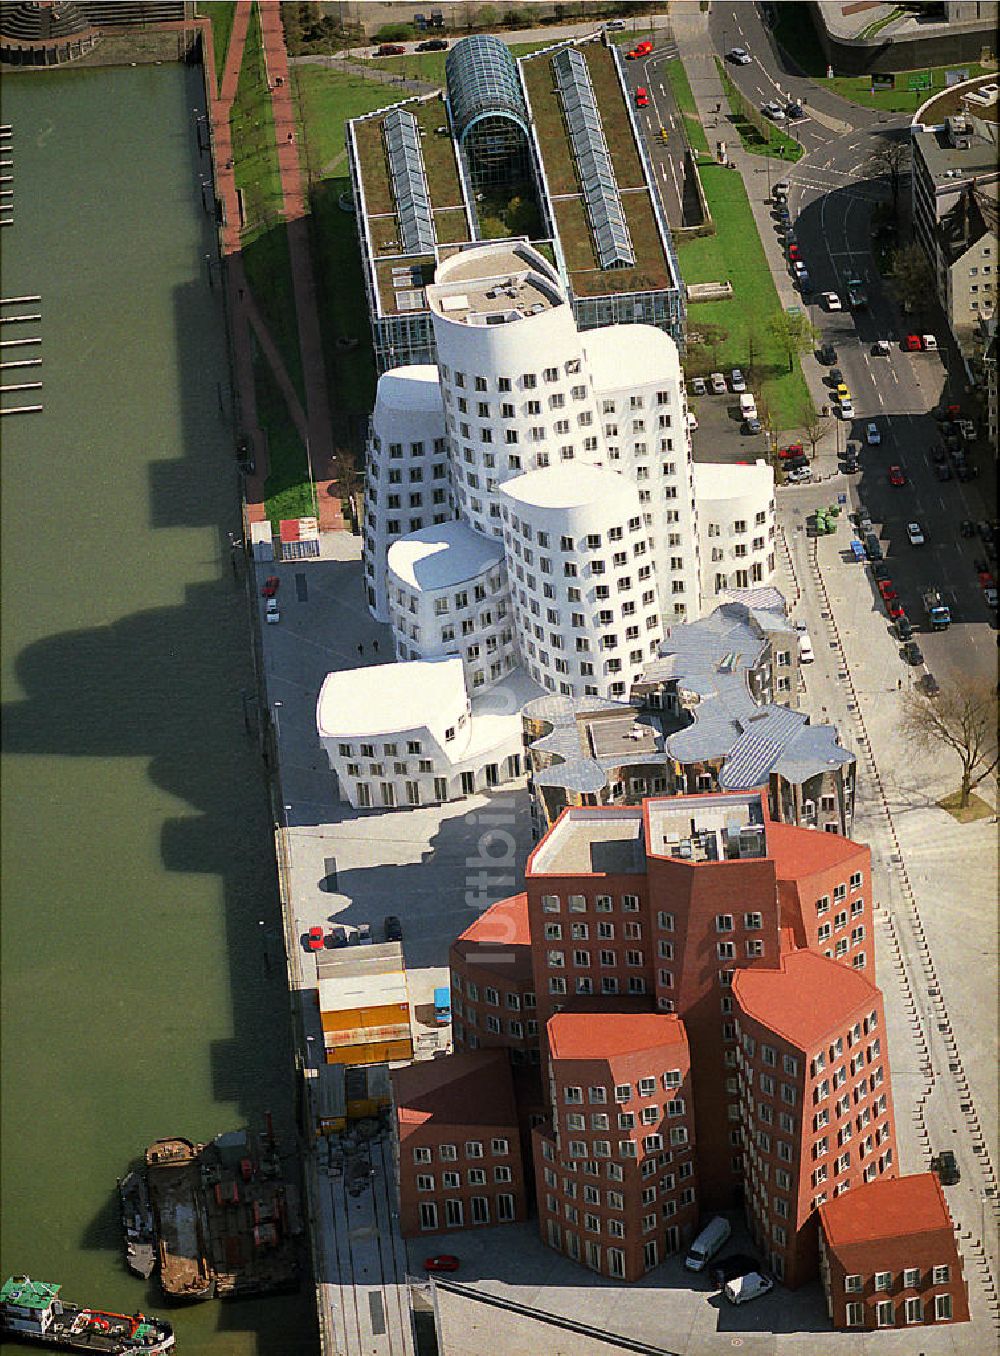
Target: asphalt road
x=661 y=111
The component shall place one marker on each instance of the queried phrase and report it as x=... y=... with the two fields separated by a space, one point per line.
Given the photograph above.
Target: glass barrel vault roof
x=483 y=81
x=409 y=182
x=590 y=150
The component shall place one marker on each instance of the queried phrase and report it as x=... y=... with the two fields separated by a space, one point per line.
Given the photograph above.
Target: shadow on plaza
x=164 y=685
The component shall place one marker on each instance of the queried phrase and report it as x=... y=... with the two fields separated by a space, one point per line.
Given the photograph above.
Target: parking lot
x=719 y=436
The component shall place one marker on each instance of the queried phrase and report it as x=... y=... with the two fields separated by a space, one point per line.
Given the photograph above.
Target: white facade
x=735 y=526
x=515 y=390
x=639 y=390
x=408 y=484
x=448 y=595
x=582 y=579
x=407 y=734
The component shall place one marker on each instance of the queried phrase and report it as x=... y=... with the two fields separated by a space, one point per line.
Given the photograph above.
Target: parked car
x=805 y=283
x=832 y=302
x=794 y=110
x=641 y=97
x=718 y=383
x=967 y=527
x=739 y=56
x=990 y=597
x=751 y=426
x=835 y=377
x=912 y=344
x=798 y=267
x=827 y=355
x=912 y=653
x=780 y=191
x=271 y=585
x=930 y=685
x=444 y=1261
x=847 y=409
x=895 y=609
x=271 y=615
x=806 y=653
x=794 y=253
x=774 y=111
x=915 y=533
x=792 y=450
x=843 y=391
x=698 y=386
x=897 y=477
x=880 y=570
x=749 y=1287
x=392 y=928
x=799 y=475
x=433 y=45
x=881 y=347
x=314 y=939
x=391 y=49
x=851 y=466
x=904 y=628
x=738 y=381
x=945 y=1165
x=887 y=589
x=872 y=435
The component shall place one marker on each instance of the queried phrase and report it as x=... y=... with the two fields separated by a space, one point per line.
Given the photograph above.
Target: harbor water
x=143 y=989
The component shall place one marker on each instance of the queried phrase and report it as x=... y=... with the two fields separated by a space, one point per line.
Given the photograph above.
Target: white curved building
x=407 y=734
x=735 y=526
x=447 y=588
x=516 y=393
x=639 y=390
x=582 y=579
x=408 y=478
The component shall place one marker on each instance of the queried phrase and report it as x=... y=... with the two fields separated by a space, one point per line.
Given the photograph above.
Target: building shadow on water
x=164 y=685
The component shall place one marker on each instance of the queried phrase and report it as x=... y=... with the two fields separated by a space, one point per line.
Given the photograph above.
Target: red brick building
x=458 y=1151
x=639 y=900
x=815 y=1099
x=888 y=1257
x=492 y=983
x=615 y=1172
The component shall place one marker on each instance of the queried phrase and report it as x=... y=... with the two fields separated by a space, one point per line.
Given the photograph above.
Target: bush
x=395 y=33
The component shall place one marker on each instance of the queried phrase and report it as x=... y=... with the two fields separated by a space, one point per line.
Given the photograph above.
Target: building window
x=855 y=1314
x=942 y=1306
x=914 y=1310
x=852 y=1284
x=885 y=1314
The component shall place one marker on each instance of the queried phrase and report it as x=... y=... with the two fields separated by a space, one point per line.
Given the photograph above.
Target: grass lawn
x=776 y=143
x=221 y=15
x=681 y=87
x=254 y=145
x=977 y=808
x=795 y=33
x=326 y=99
x=735 y=253
x=269 y=273
x=287 y=491
x=429 y=66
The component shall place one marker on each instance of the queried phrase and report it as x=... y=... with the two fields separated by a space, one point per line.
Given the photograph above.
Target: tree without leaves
x=814 y=428
x=962 y=718
x=890 y=160
x=912 y=276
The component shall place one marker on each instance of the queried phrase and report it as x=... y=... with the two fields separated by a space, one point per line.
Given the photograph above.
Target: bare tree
x=813 y=428
x=912 y=276
x=347 y=475
x=890 y=160
x=962 y=718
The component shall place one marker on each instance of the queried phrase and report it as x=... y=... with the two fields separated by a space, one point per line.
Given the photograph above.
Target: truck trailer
x=937 y=610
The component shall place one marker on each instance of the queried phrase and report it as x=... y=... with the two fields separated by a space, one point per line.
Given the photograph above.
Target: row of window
x=910 y=1278
x=492 y=995
x=452 y=1181
x=448 y=1153
x=597 y=1095
x=417 y=449
x=649 y=1115
x=454 y=1212
x=912 y=1311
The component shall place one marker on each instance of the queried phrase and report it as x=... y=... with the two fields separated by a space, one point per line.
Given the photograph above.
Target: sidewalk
x=690 y=29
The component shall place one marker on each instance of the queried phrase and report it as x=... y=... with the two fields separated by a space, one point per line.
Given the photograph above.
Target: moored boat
x=138 y=1231
x=33 y=1312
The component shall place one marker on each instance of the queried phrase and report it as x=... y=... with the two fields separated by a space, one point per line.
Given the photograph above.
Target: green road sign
x=919 y=81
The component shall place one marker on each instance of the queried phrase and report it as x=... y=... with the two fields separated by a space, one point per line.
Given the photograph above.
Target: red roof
x=891 y=1208
x=802 y=852
x=472 y=1088
x=504 y=921
x=600 y=1035
x=808 y=998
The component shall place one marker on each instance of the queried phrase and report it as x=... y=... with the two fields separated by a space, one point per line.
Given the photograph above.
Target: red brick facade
x=888 y=1257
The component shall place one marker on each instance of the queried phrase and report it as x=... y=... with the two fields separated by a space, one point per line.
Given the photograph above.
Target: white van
x=748 y=406
x=929 y=343
x=707 y=1244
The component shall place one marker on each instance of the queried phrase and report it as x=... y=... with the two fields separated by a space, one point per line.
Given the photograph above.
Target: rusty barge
x=227 y=1221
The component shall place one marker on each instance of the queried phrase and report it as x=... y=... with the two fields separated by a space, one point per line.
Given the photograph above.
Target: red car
x=794 y=253
x=897 y=476
x=886 y=589
x=895 y=609
x=641 y=49
x=912 y=343
x=986 y=580
x=270 y=586
x=391 y=49
x=792 y=450
x=641 y=97
x=443 y=1262
x=314 y=939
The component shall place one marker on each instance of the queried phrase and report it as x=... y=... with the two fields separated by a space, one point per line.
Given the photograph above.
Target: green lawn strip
x=269 y=273
x=681 y=87
x=776 y=143
x=429 y=66
x=254 y=146
x=221 y=14
x=287 y=491
x=735 y=254
x=326 y=99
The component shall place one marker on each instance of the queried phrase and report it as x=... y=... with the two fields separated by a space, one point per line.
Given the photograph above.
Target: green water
x=140 y=996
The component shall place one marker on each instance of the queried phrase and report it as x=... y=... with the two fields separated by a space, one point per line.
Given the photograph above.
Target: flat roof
x=443 y=555
x=383 y=698
x=570 y=485
x=894 y=1207
x=646 y=353
x=730 y=480
x=357 y=959
x=941 y=160
x=806 y=999
x=416 y=386
x=598 y=842
x=602 y=1035
x=471 y=1088
x=340 y=992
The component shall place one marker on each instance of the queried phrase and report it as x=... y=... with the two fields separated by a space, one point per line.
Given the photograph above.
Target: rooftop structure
x=443 y=556
x=416 y=168
x=804 y=998
x=591 y=841
x=603 y=1035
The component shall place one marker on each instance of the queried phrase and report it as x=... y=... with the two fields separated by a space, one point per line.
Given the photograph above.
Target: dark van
x=873 y=547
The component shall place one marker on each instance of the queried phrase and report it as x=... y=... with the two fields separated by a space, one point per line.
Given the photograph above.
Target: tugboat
x=137 y=1225
x=32 y=1311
